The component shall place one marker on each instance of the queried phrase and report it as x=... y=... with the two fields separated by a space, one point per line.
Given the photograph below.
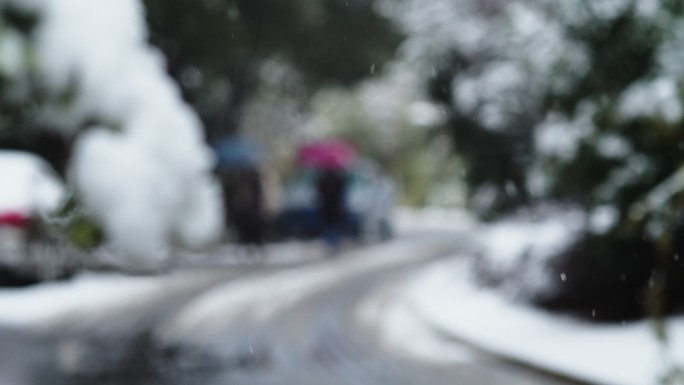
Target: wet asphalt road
x=315 y=340
x=319 y=342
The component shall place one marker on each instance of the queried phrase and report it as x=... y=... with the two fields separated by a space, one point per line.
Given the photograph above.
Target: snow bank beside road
x=89 y=297
x=394 y=324
x=38 y=306
x=516 y=254
x=409 y=221
x=140 y=164
x=445 y=298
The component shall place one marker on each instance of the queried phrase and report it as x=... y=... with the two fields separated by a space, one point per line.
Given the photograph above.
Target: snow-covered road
x=270 y=325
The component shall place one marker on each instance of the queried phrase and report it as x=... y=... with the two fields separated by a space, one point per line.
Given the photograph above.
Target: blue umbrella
x=235 y=152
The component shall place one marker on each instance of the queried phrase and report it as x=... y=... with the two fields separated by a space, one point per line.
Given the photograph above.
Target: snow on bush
x=433 y=26
x=492 y=96
x=515 y=56
x=556 y=137
x=657 y=98
x=142 y=170
x=516 y=254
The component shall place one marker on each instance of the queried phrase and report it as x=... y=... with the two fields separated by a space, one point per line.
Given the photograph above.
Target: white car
x=373 y=198
x=30 y=191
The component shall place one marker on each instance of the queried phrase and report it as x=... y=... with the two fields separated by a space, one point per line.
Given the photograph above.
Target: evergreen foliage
x=216 y=48
x=580 y=104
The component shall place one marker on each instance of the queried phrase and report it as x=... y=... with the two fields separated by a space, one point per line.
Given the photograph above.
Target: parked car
x=31 y=191
x=372 y=198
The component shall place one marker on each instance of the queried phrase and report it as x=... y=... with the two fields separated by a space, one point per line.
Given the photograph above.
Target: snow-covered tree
x=139 y=165
x=575 y=103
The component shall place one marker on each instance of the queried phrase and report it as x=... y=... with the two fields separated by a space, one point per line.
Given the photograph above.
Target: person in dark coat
x=243 y=194
x=331 y=186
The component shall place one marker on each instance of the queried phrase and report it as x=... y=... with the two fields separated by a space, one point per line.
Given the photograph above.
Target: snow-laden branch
x=663 y=192
x=140 y=164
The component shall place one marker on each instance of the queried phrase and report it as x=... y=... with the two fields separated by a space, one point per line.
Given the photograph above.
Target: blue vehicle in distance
x=369 y=202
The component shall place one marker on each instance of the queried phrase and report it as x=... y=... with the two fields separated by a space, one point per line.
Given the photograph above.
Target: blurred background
x=342 y=191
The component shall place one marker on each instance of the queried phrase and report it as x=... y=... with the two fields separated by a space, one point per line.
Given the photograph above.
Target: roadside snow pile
x=91 y=297
x=445 y=298
x=139 y=165
x=386 y=315
x=28 y=184
x=432 y=219
x=39 y=306
x=516 y=254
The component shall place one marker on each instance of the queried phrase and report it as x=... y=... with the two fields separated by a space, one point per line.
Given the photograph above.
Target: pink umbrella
x=328 y=154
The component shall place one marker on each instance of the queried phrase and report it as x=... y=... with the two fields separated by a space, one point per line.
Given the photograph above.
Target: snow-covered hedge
x=573 y=103
x=519 y=254
x=140 y=165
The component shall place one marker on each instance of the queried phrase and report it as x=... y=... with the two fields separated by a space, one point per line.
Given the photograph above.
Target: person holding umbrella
x=331 y=188
x=238 y=170
x=332 y=159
